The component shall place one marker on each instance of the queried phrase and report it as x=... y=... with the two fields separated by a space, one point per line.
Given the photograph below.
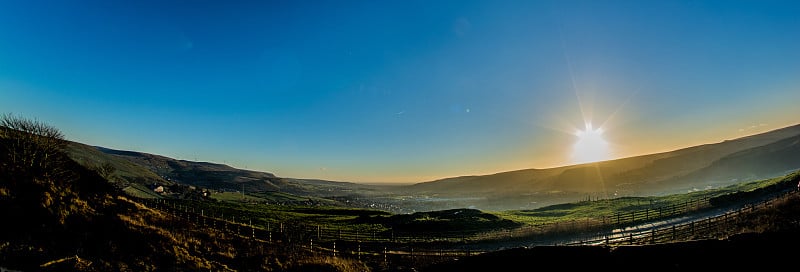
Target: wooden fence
x=389 y=246
x=703 y=228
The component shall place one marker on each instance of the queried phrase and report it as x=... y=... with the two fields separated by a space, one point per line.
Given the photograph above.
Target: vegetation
x=66 y=215
x=59 y=215
x=606 y=209
x=124 y=172
x=551 y=221
x=754 y=241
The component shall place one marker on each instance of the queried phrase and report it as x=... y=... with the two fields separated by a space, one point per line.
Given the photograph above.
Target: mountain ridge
x=688 y=168
x=792 y=130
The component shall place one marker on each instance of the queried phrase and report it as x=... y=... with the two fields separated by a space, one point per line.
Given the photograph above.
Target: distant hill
x=125 y=172
x=143 y=169
x=755 y=163
x=202 y=174
x=758 y=156
x=62 y=214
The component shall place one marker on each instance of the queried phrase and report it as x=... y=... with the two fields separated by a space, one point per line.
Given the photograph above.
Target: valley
x=218 y=217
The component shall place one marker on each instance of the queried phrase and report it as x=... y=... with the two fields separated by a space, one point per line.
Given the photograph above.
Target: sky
x=399 y=91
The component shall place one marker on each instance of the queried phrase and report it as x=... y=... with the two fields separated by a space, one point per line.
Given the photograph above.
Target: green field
x=230 y=205
x=141 y=191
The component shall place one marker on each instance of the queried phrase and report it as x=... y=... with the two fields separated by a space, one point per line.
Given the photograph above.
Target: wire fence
x=388 y=246
x=325 y=233
x=703 y=228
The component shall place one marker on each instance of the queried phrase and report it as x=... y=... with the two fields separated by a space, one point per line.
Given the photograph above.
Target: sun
x=590 y=147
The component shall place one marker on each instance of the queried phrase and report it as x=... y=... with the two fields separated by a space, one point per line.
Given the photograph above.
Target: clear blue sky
x=399 y=91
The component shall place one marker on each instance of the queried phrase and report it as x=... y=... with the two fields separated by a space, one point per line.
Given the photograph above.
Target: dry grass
x=202 y=248
x=783 y=215
x=76 y=262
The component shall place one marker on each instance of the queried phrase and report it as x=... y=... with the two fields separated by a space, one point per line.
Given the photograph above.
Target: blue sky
x=399 y=91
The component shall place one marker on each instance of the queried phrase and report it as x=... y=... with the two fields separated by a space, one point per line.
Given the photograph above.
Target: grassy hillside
x=219 y=177
x=759 y=156
x=595 y=210
x=757 y=241
x=203 y=174
x=124 y=171
x=755 y=163
x=61 y=216
x=716 y=165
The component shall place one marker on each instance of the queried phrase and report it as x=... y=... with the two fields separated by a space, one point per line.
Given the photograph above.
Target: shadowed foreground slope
x=60 y=216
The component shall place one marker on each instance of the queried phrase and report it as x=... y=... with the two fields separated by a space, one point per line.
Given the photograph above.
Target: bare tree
x=29 y=147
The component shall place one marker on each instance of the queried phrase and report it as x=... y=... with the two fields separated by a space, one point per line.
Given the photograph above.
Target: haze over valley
x=398 y=136
x=712 y=165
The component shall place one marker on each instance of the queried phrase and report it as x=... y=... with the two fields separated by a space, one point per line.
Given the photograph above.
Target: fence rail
x=703 y=228
x=390 y=245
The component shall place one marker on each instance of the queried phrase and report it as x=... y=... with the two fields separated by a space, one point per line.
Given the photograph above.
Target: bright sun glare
x=591 y=146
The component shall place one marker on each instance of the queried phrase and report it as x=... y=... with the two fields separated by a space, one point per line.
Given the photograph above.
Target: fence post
x=674 y=234
x=652 y=236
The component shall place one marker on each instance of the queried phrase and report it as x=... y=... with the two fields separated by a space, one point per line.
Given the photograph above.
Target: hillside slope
x=125 y=172
x=131 y=167
x=757 y=156
x=747 y=158
x=755 y=163
x=756 y=241
x=59 y=215
x=202 y=174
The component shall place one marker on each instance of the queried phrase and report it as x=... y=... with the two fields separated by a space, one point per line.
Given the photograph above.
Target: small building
x=159 y=189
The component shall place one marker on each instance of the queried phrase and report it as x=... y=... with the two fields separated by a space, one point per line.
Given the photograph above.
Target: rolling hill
x=139 y=170
x=758 y=156
x=694 y=168
x=62 y=214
